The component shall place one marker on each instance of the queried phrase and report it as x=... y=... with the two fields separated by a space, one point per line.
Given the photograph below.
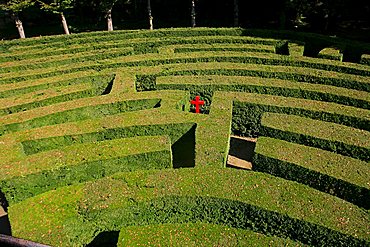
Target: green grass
x=199 y=234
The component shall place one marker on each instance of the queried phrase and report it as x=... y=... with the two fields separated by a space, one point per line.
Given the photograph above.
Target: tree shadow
x=183 y=150
x=105 y=239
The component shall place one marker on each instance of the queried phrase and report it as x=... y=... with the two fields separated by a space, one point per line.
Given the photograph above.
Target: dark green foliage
x=174 y=131
x=329 y=145
x=145 y=82
x=20 y=188
x=246 y=119
x=350 y=192
x=282 y=47
x=78 y=114
x=184 y=209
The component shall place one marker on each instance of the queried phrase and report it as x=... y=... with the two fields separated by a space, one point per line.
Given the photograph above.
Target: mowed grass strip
x=196 y=234
x=270 y=193
x=338 y=175
x=328 y=136
x=268 y=86
x=100 y=160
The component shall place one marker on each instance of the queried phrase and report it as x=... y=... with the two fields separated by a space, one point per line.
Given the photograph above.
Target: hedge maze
x=99 y=145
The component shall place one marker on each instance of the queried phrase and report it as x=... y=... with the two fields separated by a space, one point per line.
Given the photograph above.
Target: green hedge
x=93 y=79
x=347 y=83
x=246 y=120
x=277 y=126
x=86 y=209
x=184 y=209
x=352 y=193
x=286 y=92
x=194 y=234
x=310 y=166
x=82 y=113
x=100 y=88
x=20 y=188
x=139 y=47
x=175 y=131
x=234 y=49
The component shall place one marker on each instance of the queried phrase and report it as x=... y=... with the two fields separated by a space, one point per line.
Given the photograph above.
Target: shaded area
x=109 y=238
x=242 y=148
x=183 y=150
x=5 y=227
x=109 y=87
x=241 y=152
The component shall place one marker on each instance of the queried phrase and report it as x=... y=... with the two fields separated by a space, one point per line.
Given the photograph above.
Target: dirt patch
x=241 y=152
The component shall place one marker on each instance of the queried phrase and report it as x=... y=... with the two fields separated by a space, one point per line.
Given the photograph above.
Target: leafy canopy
x=56 y=6
x=15 y=6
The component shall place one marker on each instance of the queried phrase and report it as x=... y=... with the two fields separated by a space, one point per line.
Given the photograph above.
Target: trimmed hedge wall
x=347 y=191
x=100 y=88
x=248 y=60
x=184 y=209
x=174 y=131
x=247 y=117
x=193 y=234
x=83 y=113
x=332 y=145
x=93 y=79
x=286 y=92
x=20 y=188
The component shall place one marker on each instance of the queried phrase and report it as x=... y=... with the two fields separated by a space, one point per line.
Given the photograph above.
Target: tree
x=107 y=6
x=58 y=7
x=236 y=13
x=150 y=16
x=193 y=13
x=15 y=7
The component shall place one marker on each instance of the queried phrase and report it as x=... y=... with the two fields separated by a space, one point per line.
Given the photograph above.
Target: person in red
x=197 y=102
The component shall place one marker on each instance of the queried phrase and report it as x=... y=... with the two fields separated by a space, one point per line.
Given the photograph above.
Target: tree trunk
x=109 y=20
x=236 y=13
x=19 y=25
x=150 y=16
x=64 y=22
x=193 y=13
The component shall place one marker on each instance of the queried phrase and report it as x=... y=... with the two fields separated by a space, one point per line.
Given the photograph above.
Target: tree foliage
x=15 y=6
x=56 y=6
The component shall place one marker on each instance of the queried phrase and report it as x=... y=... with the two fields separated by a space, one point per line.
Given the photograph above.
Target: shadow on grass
x=183 y=151
x=242 y=149
x=105 y=239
